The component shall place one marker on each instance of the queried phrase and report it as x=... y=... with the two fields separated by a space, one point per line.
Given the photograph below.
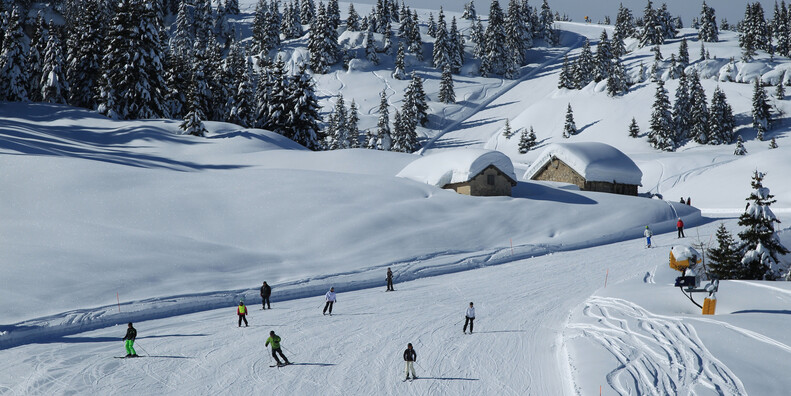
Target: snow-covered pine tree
x=527 y=140
x=441 y=54
x=657 y=53
x=508 y=132
x=634 y=129
x=431 y=26
x=353 y=128
x=222 y=29
x=624 y=23
x=398 y=134
x=617 y=83
x=682 y=116
x=53 y=85
x=415 y=40
x=602 y=64
x=569 y=128
x=387 y=40
x=469 y=11
x=495 y=57
x=661 y=132
x=707 y=31
x=477 y=36
x=353 y=19
x=85 y=55
x=243 y=106
x=618 y=46
x=415 y=108
x=583 y=68
x=780 y=29
x=232 y=7
x=773 y=144
x=201 y=84
x=278 y=107
x=456 y=43
x=291 y=26
x=566 y=79
x=780 y=91
x=724 y=260
x=683 y=54
x=699 y=112
x=303 y=110
x=518 y=36
x=446 y=93
x=35 y=56
x=669 y=24
x=307 y=11
x=370 y=46
x=382 y=140
x=322 y=43
x=333 y=16
x=202 y=21
x=193 y=121
x=182 y=40
x=652 y=31
x=340 y=133
x=547 y=25
x=178 y=77
x=760 y=245
x=740 y=149
x=762 y=116
x=13 y=65
x=399 y=72
x=721 y=121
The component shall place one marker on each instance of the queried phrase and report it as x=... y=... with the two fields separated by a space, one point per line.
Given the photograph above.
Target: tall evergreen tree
x=441 y=54
x=446 y=93
x=382 y=140
x=370 y=46
x=760 y=245
x=352 y=19
x=232 y=7
x=683 y=54
x=762 y=116
x=584 y=67
x=603 y=62
x=652 y=32
x=35 y=56
x=84 y=58
x=415 y=40
x=307 y=11
x=518 y=36
x=661 y=133
x=624 y=23
x=303 y=110
x=527 y=140
x=566 y=79
x=469 y=11
x=724 y=260
x=495 y=57
x=243 y=107
x=780 y=91
x=617 y=82
x=353 y=128
x=340 y=133
x=415 y=108
x=721 y=121
x=333 y=16
x=193 y=121
x=682 y=107
x=13 y=63
x=399 y=72
x=634 y=129
x=546 y=23
x=740 y=149
x=699 y=112
x=477 y=36
x=53 y=85
x=569 y=128
x=707 y=31
x=456 y=44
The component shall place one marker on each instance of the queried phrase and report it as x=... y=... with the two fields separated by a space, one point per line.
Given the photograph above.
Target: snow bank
x=593 y=160
x=456 y=166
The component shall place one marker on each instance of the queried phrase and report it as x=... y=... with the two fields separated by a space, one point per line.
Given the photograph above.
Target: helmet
x=646 y=226
x=241 y=302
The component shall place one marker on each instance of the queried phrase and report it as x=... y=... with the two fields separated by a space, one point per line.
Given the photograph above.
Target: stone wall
x=490 y=182
x=557 y=171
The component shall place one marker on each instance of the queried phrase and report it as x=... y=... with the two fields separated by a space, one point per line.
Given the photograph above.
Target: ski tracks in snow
x=656 y=354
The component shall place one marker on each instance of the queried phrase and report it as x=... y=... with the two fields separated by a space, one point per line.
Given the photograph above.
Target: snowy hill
x=569 y=301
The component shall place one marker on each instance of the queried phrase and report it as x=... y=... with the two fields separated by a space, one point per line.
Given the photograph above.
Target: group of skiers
x=648 y=233
x=410 y=356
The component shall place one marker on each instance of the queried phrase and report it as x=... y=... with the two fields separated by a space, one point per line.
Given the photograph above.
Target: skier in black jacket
x=129 y=341
x=266 y=291
x=389 y=280
x=410 y=357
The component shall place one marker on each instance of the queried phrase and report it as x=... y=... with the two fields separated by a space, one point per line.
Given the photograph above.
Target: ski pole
x=143 y=349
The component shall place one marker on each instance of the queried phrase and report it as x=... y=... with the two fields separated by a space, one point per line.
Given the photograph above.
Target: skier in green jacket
x=274 y=339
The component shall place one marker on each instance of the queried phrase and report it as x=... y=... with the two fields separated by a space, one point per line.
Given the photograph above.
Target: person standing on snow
x=689 y=201
x=389 y=280
x=469 y=317
x=648 y=235
x=242 y=312
x=274 y=339
x=266 y=291
x=680 y=226
x=129 y=341
x=331 y=298
x=409 y=358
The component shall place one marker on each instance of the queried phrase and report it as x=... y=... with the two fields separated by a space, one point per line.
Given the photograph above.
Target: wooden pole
x=607 y=275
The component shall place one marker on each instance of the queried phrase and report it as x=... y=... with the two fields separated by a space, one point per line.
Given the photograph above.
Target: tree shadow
x=580 y=130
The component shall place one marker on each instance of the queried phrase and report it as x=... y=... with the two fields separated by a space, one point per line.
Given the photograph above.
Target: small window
x=490 y=180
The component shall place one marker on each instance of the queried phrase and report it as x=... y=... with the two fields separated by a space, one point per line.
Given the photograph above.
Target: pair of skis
x=282 y=364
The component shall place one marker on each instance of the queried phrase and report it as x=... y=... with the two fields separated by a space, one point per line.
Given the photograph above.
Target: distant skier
x=242 y=312
x=409 y=358
x=648 y=235
x=331 y=298
x=129 y=341
x=469 y=317
x=274 y=339
x=266 y=291
x=680 y=226
x=683 y=202
x=689 y=201
x=389 y=280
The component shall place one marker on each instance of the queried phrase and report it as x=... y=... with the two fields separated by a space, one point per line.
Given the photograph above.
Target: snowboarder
x=266 y=291
x=648 y=235
x=680 y=226
x=274 y=339
x=389 y=280
x=410 y=357
x=242 y=312
x=469 y=317
x=129 y=341
x=331 y=298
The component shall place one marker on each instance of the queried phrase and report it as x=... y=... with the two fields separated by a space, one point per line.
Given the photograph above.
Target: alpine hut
x=476 y=172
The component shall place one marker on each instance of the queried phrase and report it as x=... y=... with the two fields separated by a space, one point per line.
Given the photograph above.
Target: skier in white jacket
x=648 y=234
x=469 y=317
x=331 y=298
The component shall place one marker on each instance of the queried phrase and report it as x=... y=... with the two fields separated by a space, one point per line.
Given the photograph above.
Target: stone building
x=591 y=166
x=476 y=172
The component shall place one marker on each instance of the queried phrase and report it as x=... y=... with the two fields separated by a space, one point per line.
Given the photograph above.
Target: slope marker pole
x=119 y=302
x=607 y=275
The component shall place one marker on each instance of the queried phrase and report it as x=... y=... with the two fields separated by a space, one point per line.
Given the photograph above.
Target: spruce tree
x=446 y=93
x=624 y=23
x=682 y=111
x=566 y=78
x=353 y=128
x=441 y=54
x=699 y=112
x=780 y=91
x=84 y=59
x=370 y=47
x=415 y=40
x=53 y=85
x=232 y=7
x=519 y=38
x=762 y=116
x=13 y=65
x=456 y=44
x=546 y=23
x=652 y=32
x=721 y=121
x=303 y=110
x=527 y=140
x=477 y=36
x=243 y=107
x=340 y=134
x=583 y=68
x=508 y=132
x=760 y=245
x=661 y=132
x=415 y=108
x=193 y=121
x=352 y=19
x=603 y=62
x=740 y=149
x=634 y=129
x=707 y=30
x=494 y=59
x=469 y=11
x=382 y=140
x=307 y=11
x=773 y=144
x=616 y=83
x=431 y=26
x=724 y=260
x=278 y=105
x=683 y=55
x=399 y=72
x=35 y=56
x=569 y=128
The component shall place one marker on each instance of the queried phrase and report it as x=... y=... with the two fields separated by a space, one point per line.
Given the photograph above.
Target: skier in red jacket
x=680 y=226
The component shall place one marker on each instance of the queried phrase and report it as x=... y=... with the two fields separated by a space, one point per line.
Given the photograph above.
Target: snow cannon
x=685 y=259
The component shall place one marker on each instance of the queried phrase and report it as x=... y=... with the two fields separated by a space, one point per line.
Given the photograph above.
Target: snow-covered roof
x=592 y=160
x=456 y=166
